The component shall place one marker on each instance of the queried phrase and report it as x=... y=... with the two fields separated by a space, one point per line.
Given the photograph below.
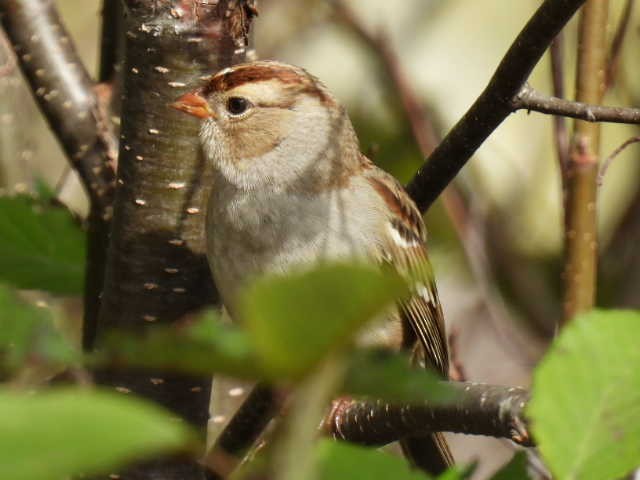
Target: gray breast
x=256 y=232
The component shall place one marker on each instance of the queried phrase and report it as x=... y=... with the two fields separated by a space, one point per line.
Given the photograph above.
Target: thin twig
x=560 y=133
x=561 y=136
x=530 y=99
x=422 y=129
x=607 y=161
x=613 y=61
x=494 y=104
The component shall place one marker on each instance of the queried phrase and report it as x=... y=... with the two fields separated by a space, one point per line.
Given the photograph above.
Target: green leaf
x=390 y=377
x=516 y=469
x=338 y=460
x=341 y=460
x=59 y=433
x=295 y=320
x=585 y=407
x=203 y=347
x=28 y=332
x=41 y=246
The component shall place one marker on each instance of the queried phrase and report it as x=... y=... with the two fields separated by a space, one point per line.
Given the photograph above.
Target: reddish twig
x=456 y=369
x=421 y=128
x=560 y=133
x=607 y=161
x=613 y=61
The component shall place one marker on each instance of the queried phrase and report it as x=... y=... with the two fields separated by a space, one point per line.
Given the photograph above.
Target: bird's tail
x=429 y=453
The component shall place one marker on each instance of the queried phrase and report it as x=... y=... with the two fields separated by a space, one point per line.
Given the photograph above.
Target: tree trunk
x=156 y=267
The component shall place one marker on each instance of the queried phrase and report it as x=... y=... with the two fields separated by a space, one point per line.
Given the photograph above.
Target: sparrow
x=292 y=189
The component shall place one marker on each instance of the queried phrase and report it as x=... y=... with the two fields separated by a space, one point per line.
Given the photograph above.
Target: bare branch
x=494 y=104
x=479 y=409
x=112 y=39
x=242 y=431
x=530 y=99
x=613 y=61
x=422 y=129
x=63 y=90
x=607 y=161
x=581 y=232
x=560 y=133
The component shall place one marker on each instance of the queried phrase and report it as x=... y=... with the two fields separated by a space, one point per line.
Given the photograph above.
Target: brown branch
x=422 y=129
x=248 y=423
x=580 y=262
x=607 y=161
x=560 y=133
x=615 y=52
x=112 y=39
x=72 y=106
x=479 y=409
x=494 y=104
x=63 y=91
x=532 y=100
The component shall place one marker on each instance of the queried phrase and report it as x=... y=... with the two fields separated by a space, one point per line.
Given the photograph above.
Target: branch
x=421 y=128
x=479 y=409
x=532 y=100
x=615 y=52
x=494 y=104
x=72 y=106
x=112 y=39
x=247 y=424
x=560 y=133
x=63 y=91
x=581 y=235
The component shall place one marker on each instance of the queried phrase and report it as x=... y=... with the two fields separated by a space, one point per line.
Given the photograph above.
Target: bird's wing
x=403 y=246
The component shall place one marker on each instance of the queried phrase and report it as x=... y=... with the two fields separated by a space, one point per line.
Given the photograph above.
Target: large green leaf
x=338 y=460
x=59 y=433
x=28 y=332
x=390 y=377
x=41 y=246
x=203 y=347
x=585 y=407
x=294 y=320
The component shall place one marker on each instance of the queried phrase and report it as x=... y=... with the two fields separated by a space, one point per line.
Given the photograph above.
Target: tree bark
x=156 y=267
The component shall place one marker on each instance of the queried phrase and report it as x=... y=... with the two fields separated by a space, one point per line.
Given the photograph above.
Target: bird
x=292 y=189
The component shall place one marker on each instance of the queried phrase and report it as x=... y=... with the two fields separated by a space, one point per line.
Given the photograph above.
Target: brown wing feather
x=404 y=248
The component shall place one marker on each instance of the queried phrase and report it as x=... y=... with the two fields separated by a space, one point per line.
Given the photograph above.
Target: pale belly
x=253 y=236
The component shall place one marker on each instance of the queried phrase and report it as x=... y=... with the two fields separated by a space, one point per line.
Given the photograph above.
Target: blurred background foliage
x=501 y=309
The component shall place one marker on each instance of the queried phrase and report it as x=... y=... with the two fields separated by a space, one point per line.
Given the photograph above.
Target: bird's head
x=269 y=122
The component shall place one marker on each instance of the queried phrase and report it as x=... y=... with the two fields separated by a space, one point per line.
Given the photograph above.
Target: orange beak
x=194 y=104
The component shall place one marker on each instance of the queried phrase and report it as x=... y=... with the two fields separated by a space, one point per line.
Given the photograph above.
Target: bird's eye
x=237 y=105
